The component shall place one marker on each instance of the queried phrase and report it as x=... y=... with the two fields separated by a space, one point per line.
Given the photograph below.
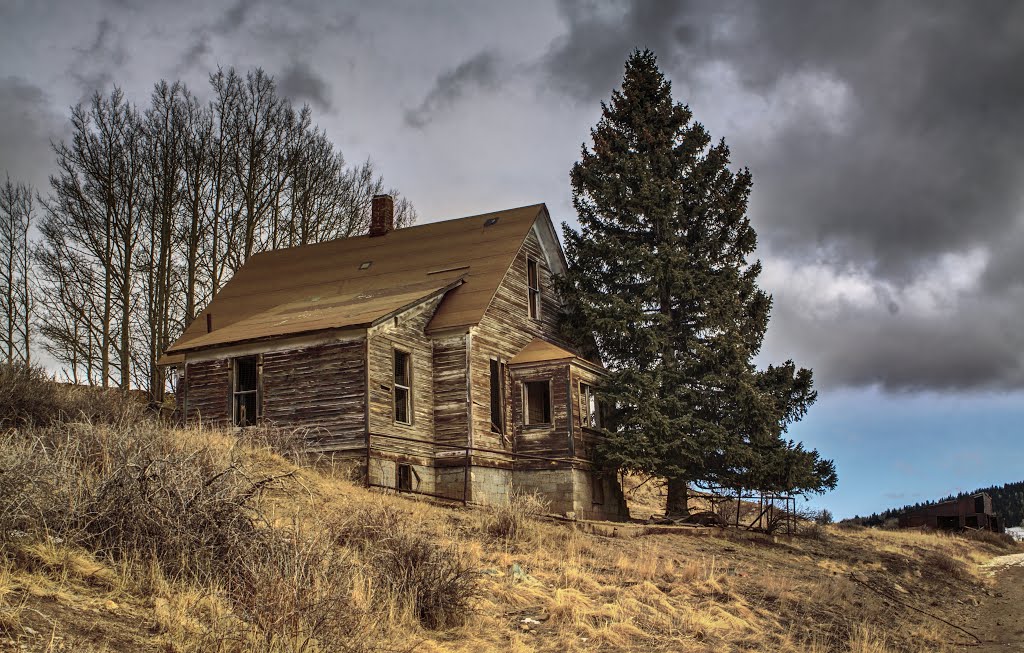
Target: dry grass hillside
x=118 y=533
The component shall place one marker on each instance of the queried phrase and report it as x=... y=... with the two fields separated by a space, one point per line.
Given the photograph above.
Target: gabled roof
x=326 y=286
x=542 y=351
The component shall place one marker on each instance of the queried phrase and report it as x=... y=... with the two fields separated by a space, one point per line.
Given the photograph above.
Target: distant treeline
x=151 y=209
x=1007 y=503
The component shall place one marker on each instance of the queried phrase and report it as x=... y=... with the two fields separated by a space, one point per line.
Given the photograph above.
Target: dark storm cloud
x=881 y=135
x=300 y=82
x=234 y=17
x=479 y=71
x=197 y=51
x=26 y=130
x=93 y=69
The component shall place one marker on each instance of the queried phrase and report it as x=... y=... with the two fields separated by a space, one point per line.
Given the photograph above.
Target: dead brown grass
x=331 y=566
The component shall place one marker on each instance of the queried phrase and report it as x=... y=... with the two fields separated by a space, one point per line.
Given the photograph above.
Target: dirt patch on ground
x=1000 y=621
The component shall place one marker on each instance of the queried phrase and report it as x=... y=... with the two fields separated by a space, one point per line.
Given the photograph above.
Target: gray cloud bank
x=885 y=138
x=887 y=149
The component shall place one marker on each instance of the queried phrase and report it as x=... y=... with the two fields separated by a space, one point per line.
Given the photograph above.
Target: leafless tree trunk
x=16 y=297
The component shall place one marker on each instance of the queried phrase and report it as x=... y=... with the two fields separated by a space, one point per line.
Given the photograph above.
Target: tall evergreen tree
x=659 y=280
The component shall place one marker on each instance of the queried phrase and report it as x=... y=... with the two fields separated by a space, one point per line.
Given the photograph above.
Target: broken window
x=589 y=412
x=497 y=397
x=245 y=392
x=533 y=282
x=537 y=400
x=403 y=478
x=402 y=387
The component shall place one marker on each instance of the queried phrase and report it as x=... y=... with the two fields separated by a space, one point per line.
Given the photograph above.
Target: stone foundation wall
x=384 y=473
x=489 y=486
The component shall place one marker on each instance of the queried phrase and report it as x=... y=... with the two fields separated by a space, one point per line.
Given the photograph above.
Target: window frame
x=396 y=386
x=533 y=293
x=236 y=393
x=497 y=367
x=526 y=404
x=588 y=399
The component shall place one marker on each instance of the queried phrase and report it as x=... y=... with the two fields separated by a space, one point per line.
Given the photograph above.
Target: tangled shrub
x=28 y=397
x=297 y=590
x=945 y=564
x=1000 y=540
x=509 y=520
x=409 y=569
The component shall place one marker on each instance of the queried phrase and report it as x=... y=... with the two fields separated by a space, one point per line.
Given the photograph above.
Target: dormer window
x=533 y=283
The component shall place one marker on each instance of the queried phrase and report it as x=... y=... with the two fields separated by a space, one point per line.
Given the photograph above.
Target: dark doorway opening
x=947 y=523
x=404 y=480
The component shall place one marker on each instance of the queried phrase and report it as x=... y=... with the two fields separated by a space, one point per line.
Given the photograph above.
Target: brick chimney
x=382 y=215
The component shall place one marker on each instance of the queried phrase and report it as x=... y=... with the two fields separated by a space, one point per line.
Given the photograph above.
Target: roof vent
x=365 y=265
x=490 y=222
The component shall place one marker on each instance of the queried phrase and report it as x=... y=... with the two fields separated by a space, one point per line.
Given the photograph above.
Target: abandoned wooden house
x=969 y=512
x=430 y=355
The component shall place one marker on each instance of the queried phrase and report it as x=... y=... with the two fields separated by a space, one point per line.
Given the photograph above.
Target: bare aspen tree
x=16 y=295
x=149 y=215
x=95 y=210
x=163 y=138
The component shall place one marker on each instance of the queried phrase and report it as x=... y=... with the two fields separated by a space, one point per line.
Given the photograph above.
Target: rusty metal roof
x=328 y=285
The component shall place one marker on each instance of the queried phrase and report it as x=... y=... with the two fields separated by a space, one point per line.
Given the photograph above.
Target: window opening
x=538 y=402
x=589 y=412
x=403 y=480
x=597 y=488
x=533 y=281
x=497 y=397
x=402 y=388
x=246 y=391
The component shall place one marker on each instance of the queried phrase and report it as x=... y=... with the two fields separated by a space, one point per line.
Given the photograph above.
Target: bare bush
x=945 y=564
x=297 y=590
x=410 y=569
x=28 y=397
x=509 y=520
x=1000 y=540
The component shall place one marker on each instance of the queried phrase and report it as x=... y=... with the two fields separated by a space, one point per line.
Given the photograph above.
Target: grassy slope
x=578 y=592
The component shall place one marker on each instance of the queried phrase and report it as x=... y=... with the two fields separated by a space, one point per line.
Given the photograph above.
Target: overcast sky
x=886 y=143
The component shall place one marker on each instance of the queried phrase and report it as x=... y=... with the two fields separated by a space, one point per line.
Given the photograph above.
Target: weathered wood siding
x=505 y=329
x=208 y=391
x=451 y=416
x=320 y=388
x=585 y=439
x=408 y=335
x=542 y=440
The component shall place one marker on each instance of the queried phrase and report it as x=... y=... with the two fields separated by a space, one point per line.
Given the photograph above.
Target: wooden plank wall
x=409 y=335
x=552 y=440
x=450 y=397
x=207 y=391
x=320 y=388
x=505 y=329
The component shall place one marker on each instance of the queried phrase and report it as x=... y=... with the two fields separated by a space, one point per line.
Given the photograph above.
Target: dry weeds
x=137 y=537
